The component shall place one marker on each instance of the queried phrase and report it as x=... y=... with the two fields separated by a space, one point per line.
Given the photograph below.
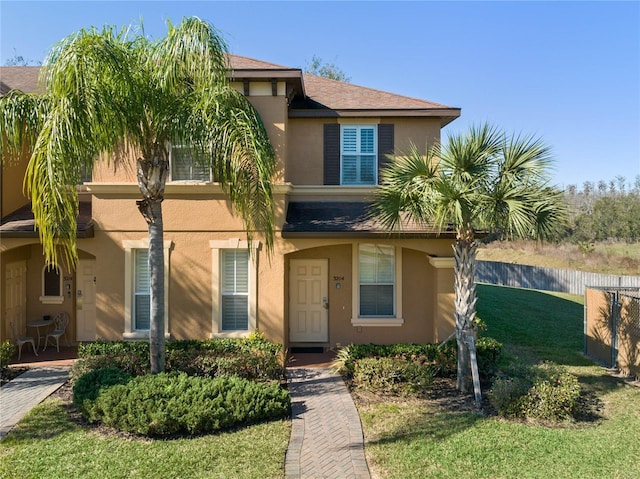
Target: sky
x=565 y=71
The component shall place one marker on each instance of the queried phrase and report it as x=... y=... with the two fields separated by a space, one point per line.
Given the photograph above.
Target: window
x=234 y=283
x=186 y=167
x=376 y=272
x=51 y=285
x=377 y=285
x=137 y=300
x=234 y=291
x=358 y=153
x=141 y=293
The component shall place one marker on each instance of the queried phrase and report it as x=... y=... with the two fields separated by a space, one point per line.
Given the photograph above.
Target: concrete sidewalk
x=326 y=434
x=21 y=394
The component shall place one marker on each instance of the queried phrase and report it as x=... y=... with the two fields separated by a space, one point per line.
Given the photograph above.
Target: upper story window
x=185 y=167
x=358 y=155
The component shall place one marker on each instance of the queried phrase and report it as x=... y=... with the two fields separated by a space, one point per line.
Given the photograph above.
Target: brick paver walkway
x=326 y=434
x=26 y=391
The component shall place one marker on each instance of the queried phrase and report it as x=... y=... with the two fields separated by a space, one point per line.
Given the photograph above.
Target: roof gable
x=312 y=95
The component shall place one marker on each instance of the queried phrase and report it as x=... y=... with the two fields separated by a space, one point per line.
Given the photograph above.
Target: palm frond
x=229 y=133
x=468 y=156
x=21 y=117
x=193 y=55
x=408 y=187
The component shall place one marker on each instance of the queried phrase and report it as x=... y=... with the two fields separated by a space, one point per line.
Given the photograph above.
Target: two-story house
x=334 y=277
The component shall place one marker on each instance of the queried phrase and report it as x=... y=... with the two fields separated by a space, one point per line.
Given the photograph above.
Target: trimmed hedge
x=442 y=359
x=252 y=358
x=392 y=375
x=168 y=404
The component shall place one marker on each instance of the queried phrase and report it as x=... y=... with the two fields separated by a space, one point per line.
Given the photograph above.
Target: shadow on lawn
x=47 y=420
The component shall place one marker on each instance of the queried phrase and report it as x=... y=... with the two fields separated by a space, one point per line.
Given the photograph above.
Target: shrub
x=488 y=353
x=546 y=391
x=128 y=362
x=258 y=365
x=6 y=353
x=167 y=404
x=88 y=386
x=442 y=358
x=392 y=375
x=253 y=358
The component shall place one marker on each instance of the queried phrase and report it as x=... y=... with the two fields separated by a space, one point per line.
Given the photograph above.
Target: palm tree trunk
x=152 y=175
x=465 y=305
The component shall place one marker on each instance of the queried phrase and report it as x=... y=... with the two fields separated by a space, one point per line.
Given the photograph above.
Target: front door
x=16 y=296
x=308 y=301
x=86 y=300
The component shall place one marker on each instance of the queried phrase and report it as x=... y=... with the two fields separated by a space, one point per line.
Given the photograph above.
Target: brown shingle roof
x=24 y=79
x=340 y=95
x=314 y=96
x=20 y=223
x=312 y=219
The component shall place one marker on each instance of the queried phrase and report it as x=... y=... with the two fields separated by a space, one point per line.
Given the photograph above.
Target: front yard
x=418 y=438
x=440 y=435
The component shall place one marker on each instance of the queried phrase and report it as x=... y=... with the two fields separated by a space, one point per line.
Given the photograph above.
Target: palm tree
x=116 y=95
x=481 y=180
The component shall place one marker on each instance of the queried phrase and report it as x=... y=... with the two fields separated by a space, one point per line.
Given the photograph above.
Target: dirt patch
x=442 y=394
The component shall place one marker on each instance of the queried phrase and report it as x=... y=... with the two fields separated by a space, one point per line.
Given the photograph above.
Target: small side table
x=37 y=324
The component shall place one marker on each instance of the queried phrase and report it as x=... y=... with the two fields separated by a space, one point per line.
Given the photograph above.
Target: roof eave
x=366 y=234
x=447 y=115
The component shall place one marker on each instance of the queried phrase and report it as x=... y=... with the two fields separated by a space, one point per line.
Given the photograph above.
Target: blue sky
x=566 y=71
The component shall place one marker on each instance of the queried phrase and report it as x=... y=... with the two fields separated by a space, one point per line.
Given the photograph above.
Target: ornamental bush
x=546 y=392
x=252 y=358
x=87 y=388
x=168 y=404
x=441 y=358
x=392 y=375
x=6 y=353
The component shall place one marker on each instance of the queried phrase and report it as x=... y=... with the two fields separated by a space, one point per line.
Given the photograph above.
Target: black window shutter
x=331 y=154
x=385 y=145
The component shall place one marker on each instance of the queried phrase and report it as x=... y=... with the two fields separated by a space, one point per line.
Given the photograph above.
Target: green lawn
x=46 y=444
x=419 y=439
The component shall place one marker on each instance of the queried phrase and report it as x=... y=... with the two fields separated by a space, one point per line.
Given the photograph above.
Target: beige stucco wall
x=424 y=300
x=305 y=151
x=12 y=181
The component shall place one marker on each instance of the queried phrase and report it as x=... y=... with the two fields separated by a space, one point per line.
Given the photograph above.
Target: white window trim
x=129 y=261
x=358 y=320
x=374 y=127
x=216 y=248
x=59 y=299
x=210 y=180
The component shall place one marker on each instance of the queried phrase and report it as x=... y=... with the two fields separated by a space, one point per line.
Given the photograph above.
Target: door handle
x=325 y=303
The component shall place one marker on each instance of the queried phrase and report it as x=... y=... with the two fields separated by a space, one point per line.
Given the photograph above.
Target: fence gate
x=612 y=328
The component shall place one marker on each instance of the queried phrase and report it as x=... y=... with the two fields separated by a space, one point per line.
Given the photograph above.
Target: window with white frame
x=358 y=155
x=137 y=301
x=141 y=314
x=234 y=290
x=51 y=285
x=234 y=271
x=376 y=271
x=186 y=167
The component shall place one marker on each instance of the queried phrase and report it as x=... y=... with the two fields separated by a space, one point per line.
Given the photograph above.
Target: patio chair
x=20 y=340
x=60 y=321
